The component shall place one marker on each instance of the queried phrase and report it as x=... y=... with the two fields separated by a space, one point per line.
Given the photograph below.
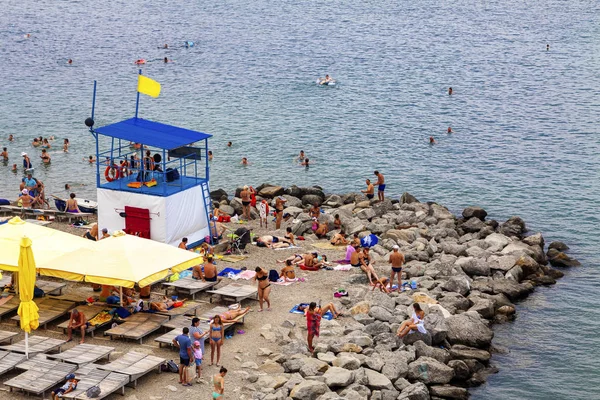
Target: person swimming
x=11 y=138
x=166 y=60
x=449 y=91
x=326 y=80
x=229 y=144
x=305 y=163
x=450 y=129
x=244 y=161
x=70 y=61
x=166 y=46
x=210 y=155
x=431 y=140
x=547 y=47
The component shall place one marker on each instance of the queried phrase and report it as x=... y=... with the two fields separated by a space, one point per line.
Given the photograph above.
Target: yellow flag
x=148 y=86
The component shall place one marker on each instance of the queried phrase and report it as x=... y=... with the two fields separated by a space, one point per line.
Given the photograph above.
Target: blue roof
x=152 y=133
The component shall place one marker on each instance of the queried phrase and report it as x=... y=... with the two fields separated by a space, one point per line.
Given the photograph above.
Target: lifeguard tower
x=152 y=179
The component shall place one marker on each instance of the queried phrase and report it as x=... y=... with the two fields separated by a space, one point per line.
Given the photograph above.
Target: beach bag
x=172 y=366
x=122 y=312
x=37 y=292
x=93 y=392
x=273 y=275
x=172 y=175
x=190 y=372
x=112 y=300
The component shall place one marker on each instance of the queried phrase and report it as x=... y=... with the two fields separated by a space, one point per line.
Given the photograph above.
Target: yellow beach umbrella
x=28 y=310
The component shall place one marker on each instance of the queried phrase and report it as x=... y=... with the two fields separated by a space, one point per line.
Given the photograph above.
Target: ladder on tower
x=212 y=226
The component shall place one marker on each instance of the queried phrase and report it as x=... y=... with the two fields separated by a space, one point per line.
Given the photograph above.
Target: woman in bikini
x=217 y=332
x=264 y=287
x=230 y=316
x=163 y=305
x=72 y=206
x=295 y=259
x=288 y=273
x=245 y=196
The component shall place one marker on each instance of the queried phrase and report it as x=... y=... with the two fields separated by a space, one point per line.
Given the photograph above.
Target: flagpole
x=137 y=102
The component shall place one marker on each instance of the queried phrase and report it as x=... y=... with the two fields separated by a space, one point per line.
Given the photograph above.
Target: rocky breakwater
x=469 y=272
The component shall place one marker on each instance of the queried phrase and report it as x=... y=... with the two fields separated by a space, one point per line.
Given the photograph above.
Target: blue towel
x=328 y=315
x=228 y=270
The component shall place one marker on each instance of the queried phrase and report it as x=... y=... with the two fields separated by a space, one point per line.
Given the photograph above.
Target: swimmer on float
x=326 y=81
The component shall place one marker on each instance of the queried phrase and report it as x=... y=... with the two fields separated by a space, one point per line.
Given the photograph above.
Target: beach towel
x=305 y=268
x=232 y=258
x=287 y=248
x=342 y=268
x=281 y=282
x=246 y=275
x=343 y=262
x=327 y=246
x=227 y=271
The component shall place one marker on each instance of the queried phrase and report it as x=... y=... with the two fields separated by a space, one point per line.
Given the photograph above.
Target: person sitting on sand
x=337 y=222
x=288 y=273
x=311 y=261
x=77 y=321
x=322 y=230
x=210 y=270
x=339 y=239
x=206 y=249
x=383 y=284
x=415 y=323
x=183 y=244
x=272 y=242
x=355 y=241
x=290 y=236
x=367 y=266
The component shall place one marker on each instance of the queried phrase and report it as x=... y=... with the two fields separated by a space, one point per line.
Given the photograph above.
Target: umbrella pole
x=27 y=345
x=121 y=295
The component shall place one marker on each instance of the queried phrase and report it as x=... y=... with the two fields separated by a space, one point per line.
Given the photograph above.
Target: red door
x=137 y=221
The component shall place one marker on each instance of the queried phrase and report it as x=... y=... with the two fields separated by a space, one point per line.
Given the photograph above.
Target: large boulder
x=313 y=190
x=535 y=240
x=474 y=212
x=227 y=209
x=336 y=377
x=514 y=226
x=347 y=361
x=291 y=201
x=560 y=259
x=312 y=366
x=560 y=246
x=449 y=392
x=422 y=350
x=435 y=324
x=458 y=284
x=218 y=195
x=468 y=329
x=440 y=212
x=473 y=266
x=429 y=371
x=294 y=191
x=415 y=336
x=460 y=352
x=310 y=199
x=395 y=366
x=416 y=391
x=472 y=225
x=269 y=192
x=236 y=203
x=497 y=240
x=308 y=390
x=376 y=380
x=380 y=313
x=408 y=198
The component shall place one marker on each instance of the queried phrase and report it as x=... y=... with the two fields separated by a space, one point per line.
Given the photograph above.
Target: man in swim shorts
x=380 y=185
x=219 y=383
x=370 y=191
x=396 y=259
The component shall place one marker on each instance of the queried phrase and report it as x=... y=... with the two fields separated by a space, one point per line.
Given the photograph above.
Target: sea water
x=525 y=120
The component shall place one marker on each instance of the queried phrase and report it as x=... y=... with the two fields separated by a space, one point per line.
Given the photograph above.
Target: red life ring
x=112 y=173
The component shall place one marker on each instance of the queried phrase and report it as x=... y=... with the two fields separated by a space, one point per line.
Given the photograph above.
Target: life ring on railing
x=112 y=173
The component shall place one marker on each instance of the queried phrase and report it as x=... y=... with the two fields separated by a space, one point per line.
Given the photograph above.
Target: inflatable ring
x=112 y=173
x=140 y=61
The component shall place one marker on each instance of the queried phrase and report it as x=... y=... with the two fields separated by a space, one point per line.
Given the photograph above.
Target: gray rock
x=327 y=357
x=416 y=336
x=453 y=248
x=236 y=203
x=336 y=377
x=472 y=266
x=312 y=366
x=472 y=225
x=310 y=199
x=440 y=212
x=347 y=361
x=292 y=201
x=408 y=198
x=364 y=319
x=416 y=391
x=359 y=339
x=366 y=213
x=511 y=289
x=449 y=392
x=308 y=390
x=458 y=284
x=381 y=299
x=403 y=235
x=422 y=350
x=483 y=307
x=468 y=329
x=460 y=352
x=334 y=201
x=377 y=328
x=435 y=325
x=218 y=195
x=497 y=240
x=502 y=263
x=559 y=246
x=514 y=226
x=227 y=209
x=380 y=313
x=375 y=362
x=560 y=260
x=476 y=212
x=401 y=384
x=461 y=369
x=395 y=367
x=535 y=240
x=376 y=380
x=269 y=192
x=429 y=370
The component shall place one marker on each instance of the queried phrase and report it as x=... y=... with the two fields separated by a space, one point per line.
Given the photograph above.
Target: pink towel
x=247 y=275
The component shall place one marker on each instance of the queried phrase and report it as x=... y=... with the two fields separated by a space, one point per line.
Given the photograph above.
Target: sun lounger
x=7 y=336
x=8 y=361
x=236 y=292
x=61 y=216
x=89 y=312
x=137 y=326
x=90 y=375
x=188 y=285
x=40 y=375
x=83 y=354
x=189 y=307
x=134 y=365
x=37 y=344
x=178 y=322
x=50 y=287
x=10 y=306
x=5 y=279
x=49 y=310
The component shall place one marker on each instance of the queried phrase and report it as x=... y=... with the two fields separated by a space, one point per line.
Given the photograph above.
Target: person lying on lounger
x=68 y=387
x=163 y=305
x=229 y=316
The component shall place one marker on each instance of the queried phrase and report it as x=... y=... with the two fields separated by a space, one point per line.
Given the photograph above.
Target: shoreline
x=469 y=272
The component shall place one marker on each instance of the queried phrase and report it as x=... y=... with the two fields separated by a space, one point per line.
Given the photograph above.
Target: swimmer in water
x=229 y=144
x=166 y=60
x=91 y=159
x=11 y=138
x=67 y=186
x=27 y=35
x=66 y=145
x=431 y=140
x=4 y=154
x=45 y=157
x=166 y=46
x=45 y=144
x=70 y=61
x=245 y=161
x=210 y=155
x=14 y=168
x=547 y=47
x=35 y=142
x=301 y=156
x=305 y=163
x=449 y=129
x=449 y=91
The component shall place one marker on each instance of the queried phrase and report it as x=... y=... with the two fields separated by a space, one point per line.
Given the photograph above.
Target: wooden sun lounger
x=61 y=215
x=189 y=307
x=40 y=375
x=178 y=322
x=83 y=354
x=89 y=312
x=50 y=287
x=135 y=365
x=50 y=309
x=7 y=336
x=5 y=279
x=90 y=375
x=137 y=326
x=236 y=292
x=8 y=361
x=10 y=306
x=189 y=286
x=37 y=344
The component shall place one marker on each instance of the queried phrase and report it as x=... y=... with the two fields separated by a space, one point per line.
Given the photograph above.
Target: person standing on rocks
x=396 y=259
x=370 y=191
x=245 y=196
x=279 y=204
x=313 y=324
x=380 y=185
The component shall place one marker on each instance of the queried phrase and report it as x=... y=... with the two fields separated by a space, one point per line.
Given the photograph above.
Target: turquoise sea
x=526 y=138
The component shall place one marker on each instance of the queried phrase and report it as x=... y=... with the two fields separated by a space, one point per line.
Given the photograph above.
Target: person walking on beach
x=380 y=185
x=396 y=259
x=219 y=384
x=279 y=204
x=184 y=344
x=263 y=209
x=245 y=196
x=264 y=287
x=370 y=191
x=217 y=333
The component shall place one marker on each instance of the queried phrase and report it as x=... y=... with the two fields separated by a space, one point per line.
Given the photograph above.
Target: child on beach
x=197 y=350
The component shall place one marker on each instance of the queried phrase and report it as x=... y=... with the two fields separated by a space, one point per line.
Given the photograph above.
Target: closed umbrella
x=28 y=310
